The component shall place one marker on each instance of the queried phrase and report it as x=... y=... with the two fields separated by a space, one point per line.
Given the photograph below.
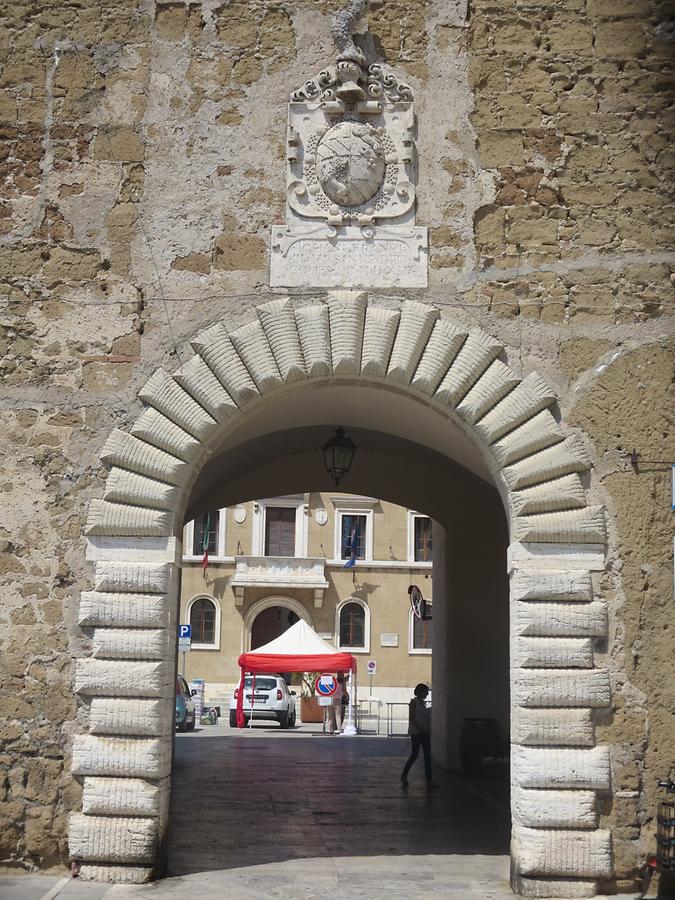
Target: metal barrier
x=368 y=716
x=397 y=727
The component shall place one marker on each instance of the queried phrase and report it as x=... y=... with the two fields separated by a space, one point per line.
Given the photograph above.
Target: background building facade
x=272 y=561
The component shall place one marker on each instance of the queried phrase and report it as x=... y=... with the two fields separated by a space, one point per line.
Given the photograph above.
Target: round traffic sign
x=325 y=685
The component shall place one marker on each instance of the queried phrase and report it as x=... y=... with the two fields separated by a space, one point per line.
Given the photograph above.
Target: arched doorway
x=270 y=623
x=413 y=380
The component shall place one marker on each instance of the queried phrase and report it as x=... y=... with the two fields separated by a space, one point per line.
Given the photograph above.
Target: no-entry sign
x=325 y=685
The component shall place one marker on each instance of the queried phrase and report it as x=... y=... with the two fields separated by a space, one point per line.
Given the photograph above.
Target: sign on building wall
x=388 y=640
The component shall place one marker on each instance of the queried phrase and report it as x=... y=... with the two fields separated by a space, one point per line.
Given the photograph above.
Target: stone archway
x=556 y=540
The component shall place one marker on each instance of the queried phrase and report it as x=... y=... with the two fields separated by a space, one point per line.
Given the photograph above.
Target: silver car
x=272 y=700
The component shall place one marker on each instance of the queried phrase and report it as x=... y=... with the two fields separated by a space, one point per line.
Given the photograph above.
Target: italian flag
x=205 y=544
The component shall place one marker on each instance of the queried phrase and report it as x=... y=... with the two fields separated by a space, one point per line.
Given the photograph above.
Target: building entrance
x=270 y=624
x=441 y=424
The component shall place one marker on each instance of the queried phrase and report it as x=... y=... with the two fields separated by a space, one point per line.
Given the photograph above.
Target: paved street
x=297 y=816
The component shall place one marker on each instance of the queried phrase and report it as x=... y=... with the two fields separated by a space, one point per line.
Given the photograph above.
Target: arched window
x=205 y=622
x=353 y=625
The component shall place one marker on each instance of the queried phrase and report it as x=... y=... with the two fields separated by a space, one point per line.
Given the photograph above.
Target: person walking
x=419 y=729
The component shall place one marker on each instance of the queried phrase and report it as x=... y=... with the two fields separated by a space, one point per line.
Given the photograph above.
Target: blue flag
x=351 y=562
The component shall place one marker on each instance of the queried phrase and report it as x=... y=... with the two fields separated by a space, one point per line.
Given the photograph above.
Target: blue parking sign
x=185 y=631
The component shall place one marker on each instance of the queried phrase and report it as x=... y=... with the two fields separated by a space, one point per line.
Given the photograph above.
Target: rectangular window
x=353 y=537
x=423 y=545
x=279 y=531
x=421 y=634
x=206 y=533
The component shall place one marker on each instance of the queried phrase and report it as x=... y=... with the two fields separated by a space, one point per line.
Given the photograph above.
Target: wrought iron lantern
x=338 y=454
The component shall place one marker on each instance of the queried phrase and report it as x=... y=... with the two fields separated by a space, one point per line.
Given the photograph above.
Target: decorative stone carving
x=350 y=217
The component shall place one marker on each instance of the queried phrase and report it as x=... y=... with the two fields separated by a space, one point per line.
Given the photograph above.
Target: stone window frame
x=412 y=515
x=216 y=633
x=353 y=507
x=412 y=650
x=366 y=625
x=299 y=502
x=220 y=555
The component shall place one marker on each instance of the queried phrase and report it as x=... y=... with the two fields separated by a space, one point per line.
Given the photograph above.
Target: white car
x=272 y=700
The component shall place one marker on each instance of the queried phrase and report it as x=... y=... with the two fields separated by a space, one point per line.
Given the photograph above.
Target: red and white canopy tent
x=298 y=649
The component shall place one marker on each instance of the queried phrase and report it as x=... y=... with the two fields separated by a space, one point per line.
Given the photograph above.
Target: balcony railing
x=279 y=572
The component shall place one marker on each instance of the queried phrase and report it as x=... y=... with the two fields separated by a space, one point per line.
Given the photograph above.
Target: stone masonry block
x=122 y=716
x=132 y=757
x=553 y=808
x=560 y=687
x=165 y=395
x=131 y=577
x=117 y=678
x=547 y=465
x=252 y=345
x=552 y=653
x=130 y=643
x=346 y=314
x=123 y=610
x=378 y=340
x=476 y=354
x=538 y=618
x=559 y=852
x=154 y=428
x=578 y=526
x=216 y=349
x=120 y=797
x=116 y=839
x=551 y=496
x=279 y=325
x=314 y=330
x=121 y=518
x=415 y=327
x=531 y=437
x=544 y=585
x=198 y=380
x=558 y=888
x=493 y=385
x=129 y=452
x=522 y=403
x=561 y=767
x=116 y=874
x=553 y=727
x=129 y=488
x=442 y=347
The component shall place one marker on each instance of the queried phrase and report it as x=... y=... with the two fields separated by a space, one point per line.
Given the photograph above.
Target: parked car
x=185 y=706
x=272 y=700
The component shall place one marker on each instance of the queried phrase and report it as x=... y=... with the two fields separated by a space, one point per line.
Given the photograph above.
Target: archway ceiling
x=386 y=466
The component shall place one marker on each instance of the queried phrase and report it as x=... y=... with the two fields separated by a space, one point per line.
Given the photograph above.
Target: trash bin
x=479 y=739
x=197 y=685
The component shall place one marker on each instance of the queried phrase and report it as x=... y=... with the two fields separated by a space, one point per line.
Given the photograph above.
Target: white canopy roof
x=298 y=640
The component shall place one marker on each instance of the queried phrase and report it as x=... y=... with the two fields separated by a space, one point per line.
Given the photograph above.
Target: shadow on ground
x=249 y=799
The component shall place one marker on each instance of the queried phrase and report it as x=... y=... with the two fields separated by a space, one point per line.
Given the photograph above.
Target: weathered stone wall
x=142 y=166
